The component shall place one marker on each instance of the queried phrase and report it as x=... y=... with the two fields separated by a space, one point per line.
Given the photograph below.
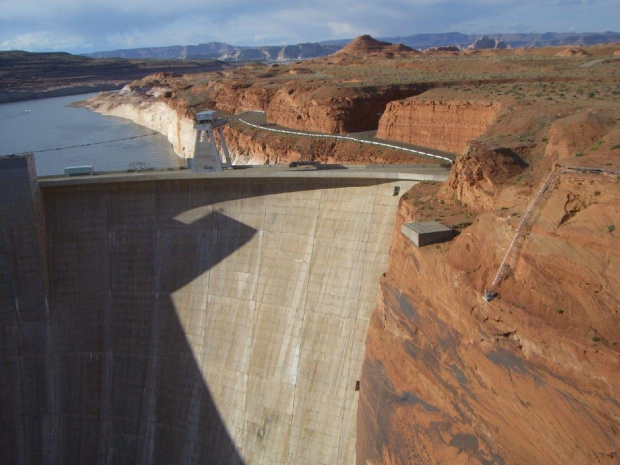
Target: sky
x=82 y=26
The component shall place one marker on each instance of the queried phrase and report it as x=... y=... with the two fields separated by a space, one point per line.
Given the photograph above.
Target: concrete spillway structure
x=185 y=321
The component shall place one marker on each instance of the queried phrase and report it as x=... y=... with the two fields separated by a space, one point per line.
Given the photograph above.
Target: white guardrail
x=334 y=136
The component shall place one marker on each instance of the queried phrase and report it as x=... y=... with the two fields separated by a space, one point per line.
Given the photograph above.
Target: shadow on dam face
x=148 y=287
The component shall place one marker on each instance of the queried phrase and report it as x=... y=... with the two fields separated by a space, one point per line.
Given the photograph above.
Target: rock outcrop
x=572 y=52
x=477 y=178
x=485 y=43
x=236 y=97
x=331 y=109
x=530 y=378
x=365 y=45
x=449 y=125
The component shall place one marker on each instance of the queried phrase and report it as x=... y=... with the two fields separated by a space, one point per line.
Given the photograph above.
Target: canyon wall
x=179 y=129
x=236 y=97
x=334 y=109
x=194 y=321
x=448 y=126
x=314 y=107
x=251 y=146
x=531 y=377
x=151 y=113
x=246 y=145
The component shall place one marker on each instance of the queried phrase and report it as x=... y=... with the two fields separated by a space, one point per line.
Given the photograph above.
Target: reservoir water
x=50 y=123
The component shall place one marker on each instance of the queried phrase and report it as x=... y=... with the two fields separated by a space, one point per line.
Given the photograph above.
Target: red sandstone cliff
x=254 y=146
x=478 y=177
x=448 y=126
x=529 y=378
x=333 y=109
x=237 y=97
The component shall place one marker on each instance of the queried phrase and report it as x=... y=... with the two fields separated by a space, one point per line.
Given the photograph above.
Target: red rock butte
x=365 y=44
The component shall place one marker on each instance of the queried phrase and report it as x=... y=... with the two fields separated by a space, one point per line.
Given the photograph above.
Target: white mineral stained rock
x=157 y=116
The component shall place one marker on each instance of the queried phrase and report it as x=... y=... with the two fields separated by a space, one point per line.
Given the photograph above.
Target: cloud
x=81 y=26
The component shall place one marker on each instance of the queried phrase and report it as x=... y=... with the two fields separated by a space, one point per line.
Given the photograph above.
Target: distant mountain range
x=227 y=52
x=548 y=39
x=224 y=52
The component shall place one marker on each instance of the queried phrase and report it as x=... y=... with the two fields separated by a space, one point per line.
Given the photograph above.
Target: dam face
x=189 y=321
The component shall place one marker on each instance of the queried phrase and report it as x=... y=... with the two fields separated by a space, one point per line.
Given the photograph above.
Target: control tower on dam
x=192 y=319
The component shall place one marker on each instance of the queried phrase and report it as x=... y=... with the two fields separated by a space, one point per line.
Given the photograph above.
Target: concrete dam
x=174 y=318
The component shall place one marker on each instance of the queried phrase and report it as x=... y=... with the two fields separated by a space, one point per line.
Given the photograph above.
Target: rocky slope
x=576 y=133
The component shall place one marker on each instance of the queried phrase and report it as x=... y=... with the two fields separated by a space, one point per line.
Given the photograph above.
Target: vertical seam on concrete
x=191 y=432
x=104 y=434
x=51 y=380
x=52 y=357
x=347 y=388
x=17 y=406
x=149 y=398
x=261 y=233
x=50 y=368
x=214 y=238
x=209 y=253
x=23 y=453
x=305 y=312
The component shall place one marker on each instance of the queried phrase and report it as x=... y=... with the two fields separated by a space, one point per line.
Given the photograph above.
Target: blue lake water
x=49 y=123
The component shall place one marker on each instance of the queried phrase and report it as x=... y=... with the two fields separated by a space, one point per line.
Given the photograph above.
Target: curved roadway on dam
x=173 y=318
